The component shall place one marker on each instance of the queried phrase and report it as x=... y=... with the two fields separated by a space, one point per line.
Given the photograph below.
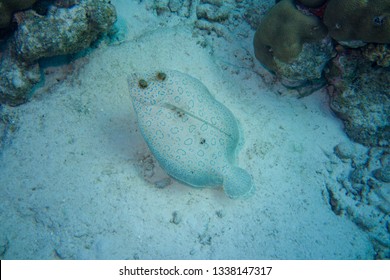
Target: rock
x=16 y=79
x=358 y=176
x=379 y=196
x=385 y=159
x=216 y=28
x=359 y=95
x=253 y=11
x=218 y=3
x=310 y=62
x=382 y=199
x=62 y=31
x=175 y=5
x=345 y=150
x=304 y=73
x=162 y=7
x=382 y=174
x=360 y=196
x=334 y=200
x=212 y=13
x=351 y=151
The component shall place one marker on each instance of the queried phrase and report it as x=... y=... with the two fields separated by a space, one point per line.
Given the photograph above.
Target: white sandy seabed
x=78 y=182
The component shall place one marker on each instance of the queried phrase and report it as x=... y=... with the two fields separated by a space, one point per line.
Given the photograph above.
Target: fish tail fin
x=237 y=183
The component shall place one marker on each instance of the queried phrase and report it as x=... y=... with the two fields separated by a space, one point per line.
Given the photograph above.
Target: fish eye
x=161 y=76
x=142 y=83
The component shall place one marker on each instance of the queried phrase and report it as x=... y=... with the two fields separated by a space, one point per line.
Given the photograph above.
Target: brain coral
x=282 y=33
x=364 y=20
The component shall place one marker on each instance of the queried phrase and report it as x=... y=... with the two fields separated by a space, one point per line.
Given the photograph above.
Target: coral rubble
x=357 y=187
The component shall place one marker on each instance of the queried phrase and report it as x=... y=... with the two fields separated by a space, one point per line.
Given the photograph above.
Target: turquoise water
x=78 y=181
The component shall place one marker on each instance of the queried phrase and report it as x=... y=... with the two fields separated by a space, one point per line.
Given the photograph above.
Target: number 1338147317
x=247 y=270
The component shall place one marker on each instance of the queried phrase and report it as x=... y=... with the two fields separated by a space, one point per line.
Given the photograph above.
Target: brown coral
x=282 y=33
x=362 y=20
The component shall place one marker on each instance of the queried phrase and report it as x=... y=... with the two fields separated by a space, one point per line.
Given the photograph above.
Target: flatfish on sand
x=192 y=135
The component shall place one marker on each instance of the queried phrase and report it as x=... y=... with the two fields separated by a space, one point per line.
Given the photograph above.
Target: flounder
x=193 y=136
